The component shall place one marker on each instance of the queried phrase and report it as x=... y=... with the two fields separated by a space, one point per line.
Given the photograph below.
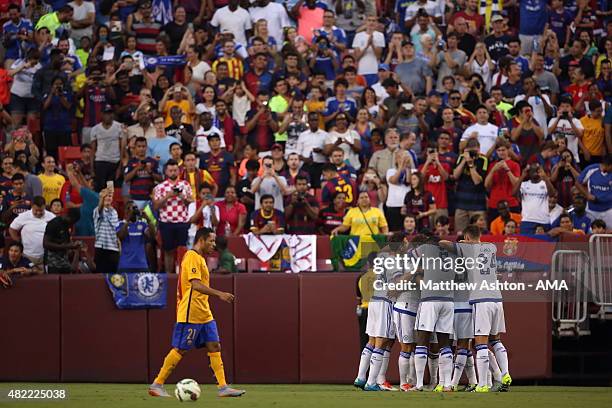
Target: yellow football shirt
x=356 y=219
x=192 y=306
x=51 y=186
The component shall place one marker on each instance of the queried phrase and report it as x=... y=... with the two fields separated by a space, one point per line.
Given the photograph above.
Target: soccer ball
x=187 y=390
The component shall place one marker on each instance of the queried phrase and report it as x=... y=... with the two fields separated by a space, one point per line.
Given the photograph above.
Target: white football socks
x=404 y=366
x=446 y=366
x=375 y=363
x=460 y=360
x=495 y=371
x=501 y=355
x=420 y=362
x=432 y=364
x=382 y=374
x=470 y=369
x=364 y=362
x=482 y=362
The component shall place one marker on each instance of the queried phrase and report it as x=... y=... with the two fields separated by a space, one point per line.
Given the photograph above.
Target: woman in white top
x=22 y=101
x=198 y=67
x=480 y=63
x=397 y=178
x=347 y=139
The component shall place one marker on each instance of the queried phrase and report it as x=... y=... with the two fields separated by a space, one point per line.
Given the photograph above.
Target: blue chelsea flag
x=138 y=290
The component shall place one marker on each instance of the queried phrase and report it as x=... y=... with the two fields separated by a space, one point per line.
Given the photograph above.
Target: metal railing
x=600 y=254
x=569 y=307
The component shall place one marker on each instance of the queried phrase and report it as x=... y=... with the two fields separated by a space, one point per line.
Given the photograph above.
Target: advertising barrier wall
x=283 y=328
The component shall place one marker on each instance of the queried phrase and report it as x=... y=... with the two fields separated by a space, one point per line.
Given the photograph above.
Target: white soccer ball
x=187 y=390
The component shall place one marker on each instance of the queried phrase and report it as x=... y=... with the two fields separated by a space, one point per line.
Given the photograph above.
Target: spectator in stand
x=29 y=229
x=261 y=124
x=554 y=209
x=23 y=103
x=141 y=172
x=383 y=160
x=568 y=126
x=449 y=60
x=179 y=130
x=194 y=176
x=301 y=209
x=56 y=207
x=219 y=163
x=143 y=127
x=8 y=170
x=56 y=108
x=470 y=196
x=483 y=131
x=334 y=182
x=593 y=134
x=270 y=183
x=498 y=224
x=243 y=188
x=510 y=228
x=598 y=227
x=85 y=162
x=565 y=226
x=292 y=170
x=594 y=183
x=227 y=260
x=171 y=199
x=347 y=139
x=14 y=264
x=344 y=169
x=51 y=181
x=397 y=180
x=159 y=146
x=419 y=202
x=133 y=232
x=203 y=213
x=59 y=248
x=526 y=132
x=207 y=128
x=234 y=19
x=436 y=173
x=232 y=214
x=442 y=226
x=564 y=175
x=55 y=21
x=501 y=179
x=497 y=41
x=33 y=185
x=363 y=220
x=16 y=201
x=332 y=216
x=534 y=198
x=409 y=226
x=375 y=188
x=578 y=215
x=267 y=220
x=108 y=143
x=106 y=246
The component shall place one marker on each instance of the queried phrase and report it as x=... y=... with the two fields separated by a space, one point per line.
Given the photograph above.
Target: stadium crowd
x=138 y=121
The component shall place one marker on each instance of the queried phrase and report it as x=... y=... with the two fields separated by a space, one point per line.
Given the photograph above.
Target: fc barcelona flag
x=144 y=290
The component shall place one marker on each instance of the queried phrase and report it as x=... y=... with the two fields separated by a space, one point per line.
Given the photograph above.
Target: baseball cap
x=433 y=92
x=384 y=67
x=277 y=146
x=407 y=42
x=213 y=135
x=107 y=109
x=497 y=17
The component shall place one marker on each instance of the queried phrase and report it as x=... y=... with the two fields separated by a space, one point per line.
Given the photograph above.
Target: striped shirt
x=105 y=227
x=234 y=65
x=146 y=36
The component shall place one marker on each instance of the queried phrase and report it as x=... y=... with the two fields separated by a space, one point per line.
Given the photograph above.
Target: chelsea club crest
x=148 y=284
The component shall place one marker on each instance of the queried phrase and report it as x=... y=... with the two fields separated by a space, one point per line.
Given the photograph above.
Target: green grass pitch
x=314 y=396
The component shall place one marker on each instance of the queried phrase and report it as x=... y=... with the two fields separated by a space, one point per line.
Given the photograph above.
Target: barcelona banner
x=138 y=290
x=522 y=253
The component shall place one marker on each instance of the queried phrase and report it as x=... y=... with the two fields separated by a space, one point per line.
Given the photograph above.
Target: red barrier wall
x=30 y=334
x=283 y=328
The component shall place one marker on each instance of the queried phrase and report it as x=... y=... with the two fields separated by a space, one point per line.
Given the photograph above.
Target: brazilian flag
x=352 y=251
